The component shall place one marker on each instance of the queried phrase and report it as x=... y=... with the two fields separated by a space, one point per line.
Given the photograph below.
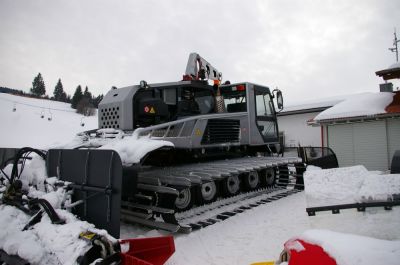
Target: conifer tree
x=87 y=94
x=76 y=97
x=97 y=100
x=38 y=87
x=59 y=92
x=64 y=97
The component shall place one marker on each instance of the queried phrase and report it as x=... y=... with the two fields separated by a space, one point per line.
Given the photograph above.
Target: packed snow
x=349 y=185
x=256 y=235
x=367 y=104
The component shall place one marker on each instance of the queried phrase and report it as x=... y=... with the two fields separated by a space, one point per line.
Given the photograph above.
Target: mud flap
x=96 y=177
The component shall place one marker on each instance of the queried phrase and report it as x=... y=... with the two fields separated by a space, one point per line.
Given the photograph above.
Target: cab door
x=265 y=115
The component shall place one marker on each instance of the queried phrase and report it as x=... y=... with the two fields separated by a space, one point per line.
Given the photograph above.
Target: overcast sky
x=308 y=49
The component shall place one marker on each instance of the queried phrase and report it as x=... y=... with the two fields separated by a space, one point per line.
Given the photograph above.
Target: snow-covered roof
x=391 y=72
x=312 y=105
x=365 y=105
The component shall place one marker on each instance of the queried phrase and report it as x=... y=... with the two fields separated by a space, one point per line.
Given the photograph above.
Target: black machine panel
x=96 y=178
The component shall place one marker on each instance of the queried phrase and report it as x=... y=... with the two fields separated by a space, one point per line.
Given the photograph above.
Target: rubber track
x=282 y=193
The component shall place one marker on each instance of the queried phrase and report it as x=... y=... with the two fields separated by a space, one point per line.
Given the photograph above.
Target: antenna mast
x=395 y=49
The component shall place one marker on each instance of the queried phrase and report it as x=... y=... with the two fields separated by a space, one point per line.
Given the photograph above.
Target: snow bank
x=348 y=185
x=358 y=105
x=348 y=249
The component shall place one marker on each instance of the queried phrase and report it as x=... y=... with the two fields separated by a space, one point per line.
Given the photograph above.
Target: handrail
x=167 y=126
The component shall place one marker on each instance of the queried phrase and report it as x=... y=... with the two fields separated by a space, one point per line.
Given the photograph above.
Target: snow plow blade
x=96 y=177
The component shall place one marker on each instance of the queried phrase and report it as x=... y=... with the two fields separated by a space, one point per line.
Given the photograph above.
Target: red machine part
x=310 y=254
x=147 y=251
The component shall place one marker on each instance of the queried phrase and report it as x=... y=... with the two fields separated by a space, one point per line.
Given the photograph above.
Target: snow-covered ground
x=25 y=127
x=255 y=235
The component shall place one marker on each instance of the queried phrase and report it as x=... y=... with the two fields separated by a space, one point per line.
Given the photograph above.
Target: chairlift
x=42 y=114
x=82 y=123
x=51 y=116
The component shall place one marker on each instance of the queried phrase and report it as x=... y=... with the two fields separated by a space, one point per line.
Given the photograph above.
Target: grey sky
x=309 y=49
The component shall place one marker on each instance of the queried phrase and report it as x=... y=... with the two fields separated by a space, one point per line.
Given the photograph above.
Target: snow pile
x=349 y=249
x=348 y=185
x=25 y=127
x=367 y=104
x=130 y=147
x=133 y=148
x=43 y=243
x=34 y=174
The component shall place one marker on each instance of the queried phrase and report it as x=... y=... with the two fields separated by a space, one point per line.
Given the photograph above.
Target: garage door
x=360 y=144
x=340 y=139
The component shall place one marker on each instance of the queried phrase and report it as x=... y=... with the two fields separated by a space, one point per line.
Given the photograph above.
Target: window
x=263 y=102
x=234 y=99
x=265 y=115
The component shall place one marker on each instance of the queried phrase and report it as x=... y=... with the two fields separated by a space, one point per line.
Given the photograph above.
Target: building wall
x=297 y=131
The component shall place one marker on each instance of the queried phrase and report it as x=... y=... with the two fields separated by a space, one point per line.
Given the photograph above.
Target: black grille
x=221 y=131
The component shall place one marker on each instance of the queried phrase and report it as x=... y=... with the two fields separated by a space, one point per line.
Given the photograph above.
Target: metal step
x=162 y=179
x=147 y=207
x=125 y=212
x=160 y=189
x=152 y=223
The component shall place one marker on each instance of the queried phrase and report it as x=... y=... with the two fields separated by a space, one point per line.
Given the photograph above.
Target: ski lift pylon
x=51 y=115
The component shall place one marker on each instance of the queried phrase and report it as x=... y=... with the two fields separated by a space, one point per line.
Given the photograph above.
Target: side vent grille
x=221 y=131
x=109 y=117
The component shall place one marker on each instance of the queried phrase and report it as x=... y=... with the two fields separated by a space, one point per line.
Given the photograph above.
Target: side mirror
x=279 y=100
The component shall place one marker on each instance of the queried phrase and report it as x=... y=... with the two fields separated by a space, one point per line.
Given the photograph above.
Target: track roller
x=268 y=177
x=185 y=200
x=251 y=180
x=209 y=192
x=231 y=185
